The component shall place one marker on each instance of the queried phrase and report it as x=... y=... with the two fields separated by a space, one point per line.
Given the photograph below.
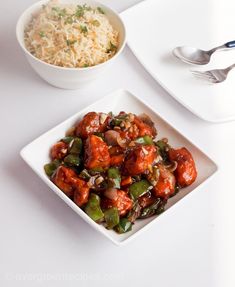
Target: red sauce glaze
x=144 y=129
x=122 y=202
x=134 y=161
x=59 y=150
x=165 y=186
x=126 y=181
x=75 y=188
x=96 y=153
x=139 y=159
x=63 y=178
x=117 y=160
x=186 y=172
x=146 y=200
x=91 y=123
x=137 y=129
x=115 y=150
x=129 y=134
x=81 y=191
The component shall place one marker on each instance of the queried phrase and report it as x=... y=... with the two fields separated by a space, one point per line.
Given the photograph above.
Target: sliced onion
x=91 y=182
x=145 y=151
x=103 y=118
x=111 y=193
x=99 y=179
x=172 y=166
x=122 y=142
x=146 y=119
x=111 y=137
x=158 y=159
x=167 y=174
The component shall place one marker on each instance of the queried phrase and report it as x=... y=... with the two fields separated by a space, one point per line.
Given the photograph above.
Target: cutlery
x=214 y=76
x=196 y=56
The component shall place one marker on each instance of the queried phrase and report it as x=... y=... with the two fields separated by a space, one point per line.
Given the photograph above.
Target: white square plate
x=36 y=154
x=155 y=28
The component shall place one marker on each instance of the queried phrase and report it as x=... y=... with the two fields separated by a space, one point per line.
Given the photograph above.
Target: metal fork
x=214 y=76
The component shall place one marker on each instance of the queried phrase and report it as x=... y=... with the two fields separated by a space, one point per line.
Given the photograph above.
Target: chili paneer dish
x=115 y=169
x=72 y=36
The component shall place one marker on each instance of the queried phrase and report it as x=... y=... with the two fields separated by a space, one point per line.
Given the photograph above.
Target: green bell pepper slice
x=114 y=177
x=96 y=170
x=51 y=167
x=85 y=174
x=139 y=188
x=67 y=139
x=123 y=226
x=76 y=146
x=72 y=160
x=116 y=121
x=145 y=140
x=111 y=216
x=156 y=208
x=93 y=209
x=162 y=148
x=151 y=210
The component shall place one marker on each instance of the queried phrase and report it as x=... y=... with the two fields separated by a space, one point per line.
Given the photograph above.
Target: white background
x=44 y=243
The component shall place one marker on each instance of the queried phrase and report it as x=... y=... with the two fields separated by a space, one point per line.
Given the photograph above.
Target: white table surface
x=44 y=243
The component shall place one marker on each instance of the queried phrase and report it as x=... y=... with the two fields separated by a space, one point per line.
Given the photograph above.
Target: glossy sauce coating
x=139 y=159
x=81 y=191
x=144 y=129
x=92 y=123
x=66 y=179
x=96 y=153
x=137 y=129
x=116 y=163
x=123 y=202
x=63 y=178
x=165 y=186
x=186 y=172
x=59 y=150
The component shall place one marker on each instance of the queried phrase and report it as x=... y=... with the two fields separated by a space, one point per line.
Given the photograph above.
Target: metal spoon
x=196 y=56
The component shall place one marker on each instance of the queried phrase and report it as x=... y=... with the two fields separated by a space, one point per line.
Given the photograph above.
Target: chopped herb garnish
x=56 y=9
x=100 y=10
x=42 y=34
x=87 y=8
x=70 y=42
x=83 y=29
x=60 y=12
x=86 y=65
x=81 y=10
x=69 y=20
x=112 y=47
x=95 y=23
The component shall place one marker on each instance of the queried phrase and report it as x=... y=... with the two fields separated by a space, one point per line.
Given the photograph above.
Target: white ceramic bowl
x=69 y=78
x=36 y=154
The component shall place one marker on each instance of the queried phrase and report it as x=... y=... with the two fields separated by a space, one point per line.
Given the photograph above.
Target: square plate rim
x=116 y=93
